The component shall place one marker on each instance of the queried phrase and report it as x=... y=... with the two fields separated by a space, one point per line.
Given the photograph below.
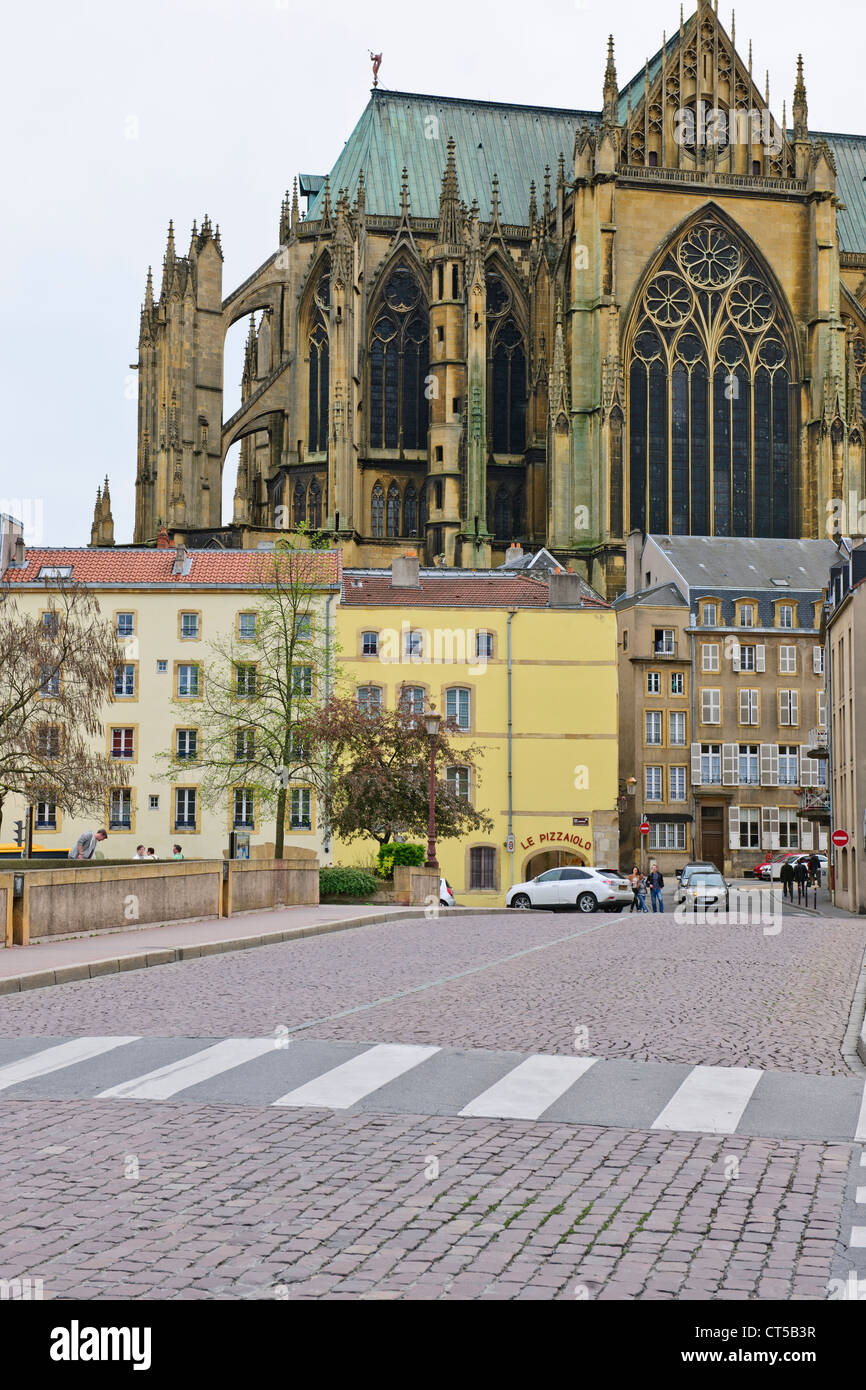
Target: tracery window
x=857 y=356
x=299 y=503
x=377 y=510
x=392 y=514
x=315 y=504
x=410 y=511
x=399 y=360
x=317 y=343
x=506 y=369
x=710 y=405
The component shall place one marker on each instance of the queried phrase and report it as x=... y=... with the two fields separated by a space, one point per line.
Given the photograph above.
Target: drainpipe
x=326 y=833
x=693 y=726
x=510 y=798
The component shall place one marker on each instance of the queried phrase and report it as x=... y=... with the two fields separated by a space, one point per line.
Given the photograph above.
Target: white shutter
x=730 y=770
x=774 y=827
x=769 y=765
x=760 y=658
x=735 y=655
x=808 y=769
x=765 y=827
x=753 y=707
x=745 y=705
x=822 y=709
x=794 y=698
x=784 y=706
x=733 y=827
x=817 y=660
x=696 y=764
x=805 y=834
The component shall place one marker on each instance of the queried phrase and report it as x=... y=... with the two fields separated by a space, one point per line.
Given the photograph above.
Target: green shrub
x=395 y=853
x=348 y=883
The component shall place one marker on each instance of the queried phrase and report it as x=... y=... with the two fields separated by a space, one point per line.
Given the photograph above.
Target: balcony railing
x=818 y=745
x=814 y=805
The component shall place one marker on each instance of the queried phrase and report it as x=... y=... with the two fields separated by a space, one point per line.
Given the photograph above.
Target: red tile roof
x=118 y=565
x=480 y=589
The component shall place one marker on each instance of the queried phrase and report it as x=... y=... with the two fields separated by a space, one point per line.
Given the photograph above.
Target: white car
x=705 y=888
x=446 y=894
x=586 y=889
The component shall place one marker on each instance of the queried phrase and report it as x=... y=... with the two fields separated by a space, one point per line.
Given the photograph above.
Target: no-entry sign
x=839 y=838
x=644 y=827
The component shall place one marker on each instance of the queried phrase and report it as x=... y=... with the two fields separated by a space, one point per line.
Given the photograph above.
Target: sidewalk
x=58 y=962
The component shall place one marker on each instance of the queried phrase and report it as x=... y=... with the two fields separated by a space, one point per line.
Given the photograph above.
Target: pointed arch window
x=377 y=511
x=299 y=503
x=502 y=514
x=711 y=409
x=410 y=511
x=317 y=345
x=506 y=352
x=392 y=512
x=315 y=504
x=399 y=359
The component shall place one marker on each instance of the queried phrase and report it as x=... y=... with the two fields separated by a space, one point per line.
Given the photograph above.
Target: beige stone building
x=723 y=707
x=501 y=321
x=846 y=648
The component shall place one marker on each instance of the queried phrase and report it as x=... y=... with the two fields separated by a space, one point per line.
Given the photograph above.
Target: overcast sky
x=118 y=116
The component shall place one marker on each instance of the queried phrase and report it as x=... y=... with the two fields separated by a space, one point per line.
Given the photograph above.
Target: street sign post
x=644 y=827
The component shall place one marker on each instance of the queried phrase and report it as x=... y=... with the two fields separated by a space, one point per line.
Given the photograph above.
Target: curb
x=171 y=955
x=854 y=1043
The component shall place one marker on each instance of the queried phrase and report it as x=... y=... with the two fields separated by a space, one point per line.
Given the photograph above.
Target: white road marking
x=56 y=1058
x=860 y=1131
x=711 y=1099
x=860 y=1195
x=200 y=1066
x=858 y=1238
x=350 y=1082
x=530 y=1088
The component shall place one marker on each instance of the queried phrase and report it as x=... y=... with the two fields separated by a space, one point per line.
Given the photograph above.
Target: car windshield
x=709 y=880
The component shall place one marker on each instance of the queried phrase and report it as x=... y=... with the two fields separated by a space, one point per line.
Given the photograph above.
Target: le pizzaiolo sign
x=561 y=837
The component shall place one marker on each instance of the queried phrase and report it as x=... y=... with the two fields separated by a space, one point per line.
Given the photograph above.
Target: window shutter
x=696 y=764
x=733 y=827
x=745 y=706
x=794 y=706
x=806 y=834
x=807 y=769
x=735 y=656
x=769 y=765
x=784 y=706
x=760 y=658
x=774 y=827
x=817 y=660
x=766 y=829
x=730 y=753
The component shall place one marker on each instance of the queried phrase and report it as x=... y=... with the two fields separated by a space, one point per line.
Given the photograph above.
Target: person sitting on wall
x=139 y=852
x=176 y=852
x=151 y=853
x=85 y=845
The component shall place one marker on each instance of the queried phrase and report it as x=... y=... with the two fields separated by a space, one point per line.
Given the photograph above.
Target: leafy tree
x=56 y=676
x=255 y=693
x=379 y=773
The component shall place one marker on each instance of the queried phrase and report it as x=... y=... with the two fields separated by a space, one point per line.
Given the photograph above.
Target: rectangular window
x=45 y=816
x=653 y=683
x=49 y=681
x=246 y=627
x=123 y=743
x=664 y=641
x=789 y=707
x=482 y=867
x=302 y=682
x=653 y=782
x=678 y=729
x=710 y=656
x=301 y=809
x=749 y=706
x=678 y=683
x=457 y=706
x=125 y=624
x=161 y=668
x=303 y=627
x=667 y=835
x=711 y=764
x=786 y=615
x=189 y=625
x=186 y=744
x=185 y=808
x=653 y=727
x=412 y=699
x=458 y=780
x=244 y=815
x=788 y=661
x=789 y=829
x=120 y=808
x=750 y=774
x=187 y=682
x=124 y=680
x=48 y=741
x=370 y=698
x=747 y=659
x=677 y=776
x=153 y=802
x=51 y=623
x=484 y=644
x=709 y=615
x=369 y=644
x=711 y=707
x=246 y=681
x=750 y=827
x=747 y=615
x=789 y=765
x=245 y=745
x=414 y=645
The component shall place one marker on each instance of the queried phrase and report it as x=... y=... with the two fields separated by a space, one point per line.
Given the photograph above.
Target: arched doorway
x=549 y=859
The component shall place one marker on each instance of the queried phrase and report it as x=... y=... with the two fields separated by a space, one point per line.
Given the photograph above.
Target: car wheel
x=587 y=902
x=443 y=902
x=521 y=901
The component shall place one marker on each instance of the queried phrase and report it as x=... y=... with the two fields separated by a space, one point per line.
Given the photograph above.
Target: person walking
x=801 y=878
x=641 y=893
x=656 y=884
x=786 y=878
x=815 y=869
x=634 y=882
x=85 y=845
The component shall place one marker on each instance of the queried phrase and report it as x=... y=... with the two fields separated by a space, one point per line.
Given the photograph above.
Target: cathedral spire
x=449 y=233
x=170 y=257
x=495 y=229
x=296 y=216
x=326 y=202
x=192 y=239
x=559 y=395
x=611 y=90
x=148 y=292
x=800 y=110
x=533 y=208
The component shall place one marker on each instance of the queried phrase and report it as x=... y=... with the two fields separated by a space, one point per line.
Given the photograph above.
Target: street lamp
x=432 y=720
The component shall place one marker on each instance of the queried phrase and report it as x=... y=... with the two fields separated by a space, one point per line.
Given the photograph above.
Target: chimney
x=405 y=571
x=19 y=551
x=180 y=559
x=633 y=553
x=514 y=553
x=162 y=540
x=565 y=591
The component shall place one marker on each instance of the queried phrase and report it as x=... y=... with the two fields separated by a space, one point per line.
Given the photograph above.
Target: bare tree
x=256 y=691
x=56 y=675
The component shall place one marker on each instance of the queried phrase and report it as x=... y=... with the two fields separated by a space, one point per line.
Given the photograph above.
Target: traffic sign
x=644 y=827
x=509 y=845
x=839 y=838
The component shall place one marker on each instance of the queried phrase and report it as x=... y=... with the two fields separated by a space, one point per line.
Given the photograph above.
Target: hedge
x=348 y=883
x=395 y=853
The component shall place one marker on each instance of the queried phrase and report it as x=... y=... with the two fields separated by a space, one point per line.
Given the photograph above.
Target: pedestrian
x=85 y=845
x=634 y=883
x=139 y=852
x=641 y=893
x=176 y=852
x=786 y=877
x=656 y=884
x=801 y=875
x=815 y=869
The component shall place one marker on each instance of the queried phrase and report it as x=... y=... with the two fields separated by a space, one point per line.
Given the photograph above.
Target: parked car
x=774 y=869
x=765 y=868
x=822 y=860
x=705 y=888
x=586 y=889
x=446 y=894
x=696 y=866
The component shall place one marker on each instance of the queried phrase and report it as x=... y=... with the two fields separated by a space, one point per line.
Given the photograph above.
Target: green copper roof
x=515 y=143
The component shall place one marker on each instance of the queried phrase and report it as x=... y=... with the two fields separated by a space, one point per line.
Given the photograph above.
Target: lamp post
x=432 y=720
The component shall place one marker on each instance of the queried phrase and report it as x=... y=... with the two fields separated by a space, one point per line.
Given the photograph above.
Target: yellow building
x=528 y=667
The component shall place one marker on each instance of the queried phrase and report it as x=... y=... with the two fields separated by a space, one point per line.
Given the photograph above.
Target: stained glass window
x=399 y=362
x=507 y=353
x=317 y=426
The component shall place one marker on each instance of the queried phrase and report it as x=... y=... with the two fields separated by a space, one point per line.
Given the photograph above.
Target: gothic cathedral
x=504 y=322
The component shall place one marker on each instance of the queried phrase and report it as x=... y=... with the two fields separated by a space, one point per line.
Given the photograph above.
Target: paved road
x=413 y=1155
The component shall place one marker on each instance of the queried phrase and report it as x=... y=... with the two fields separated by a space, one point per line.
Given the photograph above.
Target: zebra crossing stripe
x=858 y=1238
x=860 y=1132
x=860 y=1195
x=188 y=1071
x=56 y=1058
x=529 y=1088
x=350 y=1082
x=711 y=1100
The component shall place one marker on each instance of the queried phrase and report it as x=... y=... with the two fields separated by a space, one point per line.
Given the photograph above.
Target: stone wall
x=263 y=883
x=101 y=896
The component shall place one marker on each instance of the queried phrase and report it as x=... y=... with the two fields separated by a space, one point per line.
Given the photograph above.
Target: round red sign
x=840 y=838
x=644 y=827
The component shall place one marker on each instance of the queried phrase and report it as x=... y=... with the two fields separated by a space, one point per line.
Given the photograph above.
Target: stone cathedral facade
x=505 y=322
